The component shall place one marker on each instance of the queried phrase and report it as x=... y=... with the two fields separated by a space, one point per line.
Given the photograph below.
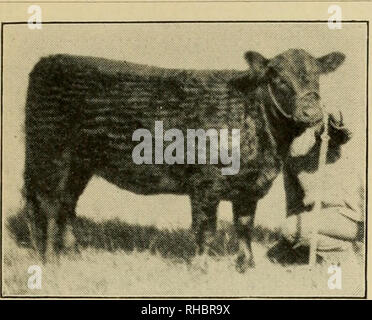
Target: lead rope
x=276 y=103
x=318 y=201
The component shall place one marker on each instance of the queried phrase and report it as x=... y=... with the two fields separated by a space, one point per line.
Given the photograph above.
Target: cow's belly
x=251 y=181
x=143 y=180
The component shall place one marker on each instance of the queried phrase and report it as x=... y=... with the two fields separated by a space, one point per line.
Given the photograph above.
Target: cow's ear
x=257 y=69
x=257 y=63
x=330 y=62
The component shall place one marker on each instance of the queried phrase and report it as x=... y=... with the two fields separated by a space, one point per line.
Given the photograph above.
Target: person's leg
x=331 y=223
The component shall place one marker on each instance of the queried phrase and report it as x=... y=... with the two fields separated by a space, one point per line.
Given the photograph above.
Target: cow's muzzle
x=309 y=110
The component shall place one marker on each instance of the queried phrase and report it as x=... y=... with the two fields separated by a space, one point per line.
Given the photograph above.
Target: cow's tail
x=50 y=120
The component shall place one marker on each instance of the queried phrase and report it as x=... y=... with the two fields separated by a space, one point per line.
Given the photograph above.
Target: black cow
x=81 y=113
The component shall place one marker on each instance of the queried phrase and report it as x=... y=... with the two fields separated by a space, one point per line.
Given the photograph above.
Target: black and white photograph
x=169 y=159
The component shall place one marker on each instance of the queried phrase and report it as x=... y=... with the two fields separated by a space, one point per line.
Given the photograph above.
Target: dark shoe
x=289 y=253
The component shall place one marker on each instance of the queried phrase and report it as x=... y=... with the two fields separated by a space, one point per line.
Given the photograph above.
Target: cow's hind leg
x=78 y=179
x=244 y=213
x=49 y=208
x=42 y=209
x=57 y=205
x=36 y=224
x=50 y=188
x=43 y=215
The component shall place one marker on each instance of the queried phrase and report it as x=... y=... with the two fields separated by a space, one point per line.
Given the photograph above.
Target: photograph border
x=20 y=297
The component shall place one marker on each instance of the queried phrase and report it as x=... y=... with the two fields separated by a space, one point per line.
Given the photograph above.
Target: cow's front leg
x=244 y=213
x=204 y=220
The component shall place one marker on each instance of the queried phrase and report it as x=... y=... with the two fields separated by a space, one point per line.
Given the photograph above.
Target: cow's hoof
x=51 y=254
x=51 y=257
x=73 y=251
x=243 y=263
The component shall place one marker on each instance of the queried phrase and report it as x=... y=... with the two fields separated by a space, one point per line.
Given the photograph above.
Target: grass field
x=120 y=259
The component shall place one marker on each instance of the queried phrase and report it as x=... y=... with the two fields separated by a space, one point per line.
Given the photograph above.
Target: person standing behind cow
x=341 y=218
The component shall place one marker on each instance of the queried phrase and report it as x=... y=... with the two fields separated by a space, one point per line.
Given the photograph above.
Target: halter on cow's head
x=291 y=82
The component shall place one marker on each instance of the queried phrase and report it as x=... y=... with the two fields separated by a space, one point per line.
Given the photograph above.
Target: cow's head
x=292 y=81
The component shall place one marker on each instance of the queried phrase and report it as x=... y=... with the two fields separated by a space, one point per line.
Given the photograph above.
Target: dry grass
x=118 y=259
x=113 y=235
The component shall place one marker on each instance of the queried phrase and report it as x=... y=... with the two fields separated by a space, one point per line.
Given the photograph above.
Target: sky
x=195 y=46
